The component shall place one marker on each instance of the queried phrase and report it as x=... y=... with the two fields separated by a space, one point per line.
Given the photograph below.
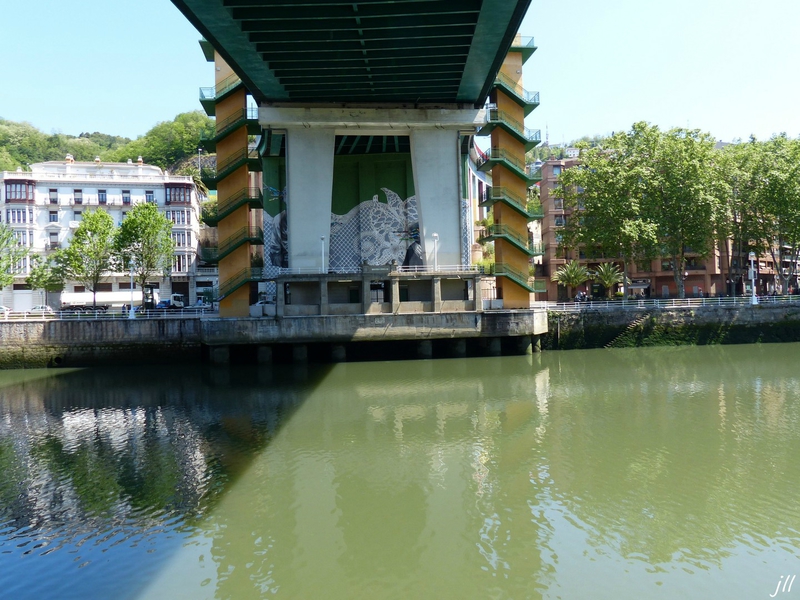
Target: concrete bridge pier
x=220 y=355
x=458 y=348
x=264 y=355
x=300 y=353
x=491 y=346
x=425 y=349
x=338 y=353
x=524 y=344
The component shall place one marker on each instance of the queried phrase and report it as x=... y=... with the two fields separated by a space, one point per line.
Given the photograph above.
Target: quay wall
x=170 y=340
x=621 y=328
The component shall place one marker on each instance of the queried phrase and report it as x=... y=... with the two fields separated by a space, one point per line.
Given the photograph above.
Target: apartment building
x=45 y=205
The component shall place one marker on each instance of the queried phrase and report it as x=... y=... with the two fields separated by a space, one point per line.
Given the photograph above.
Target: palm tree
x=571 y=275
x=609 y=275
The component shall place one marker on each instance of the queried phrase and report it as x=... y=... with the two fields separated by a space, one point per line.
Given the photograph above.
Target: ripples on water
x=663 y=473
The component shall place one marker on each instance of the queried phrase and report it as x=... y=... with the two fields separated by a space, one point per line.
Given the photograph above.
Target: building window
x=77 y=195
x=19 y=191
x=53 y=196
x=79 y=289
x=179 y=237
x=556 y=170
x=179 y=264
x=53 y=216
x=53 y=240
x=18 y=215
x=558 y=203
x=124 y=214
x=560 y=221
x=126 y=196
x=77 y=215
x=150 y=197
x=101 y=197
x=177 y=194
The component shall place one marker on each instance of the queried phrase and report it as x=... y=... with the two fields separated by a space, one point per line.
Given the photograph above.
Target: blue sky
x=723 y=66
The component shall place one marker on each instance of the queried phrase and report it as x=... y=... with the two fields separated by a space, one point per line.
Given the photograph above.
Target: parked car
x=41 y=309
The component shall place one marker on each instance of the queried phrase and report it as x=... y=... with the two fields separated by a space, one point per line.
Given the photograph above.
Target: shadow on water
x=101 y=463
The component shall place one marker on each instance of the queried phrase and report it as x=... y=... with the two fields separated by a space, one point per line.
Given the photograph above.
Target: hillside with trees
x=165 y=145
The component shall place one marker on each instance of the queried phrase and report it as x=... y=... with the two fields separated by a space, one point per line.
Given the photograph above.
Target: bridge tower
x=510 y=103
x=238 y=187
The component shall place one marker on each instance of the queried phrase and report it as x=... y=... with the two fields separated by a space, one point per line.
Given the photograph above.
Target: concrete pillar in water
x=300 y=353
x=338 y=353
x=537 y=343
x=491 y=346
x=264 y=355
x=220 y=355
x=524 y=344
x=458 y=348
x=425 y=349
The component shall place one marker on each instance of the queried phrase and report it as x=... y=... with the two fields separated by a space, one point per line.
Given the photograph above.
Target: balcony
x=525 y=45
x=245 y=116
x=512 y=200
x=496 y=156
x=252 y=235
x=238 y=280
x=516 y=239
x=500 y=118
x=213 y=213
x=52 y=246
x=228 y=165
x=518 y=277
x=527 y=100
x=209 y=96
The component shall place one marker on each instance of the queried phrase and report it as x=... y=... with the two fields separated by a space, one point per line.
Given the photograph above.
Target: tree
x=45 y=275
x=90 y=256
x=606 y=195
x=11 y=253
x=608 y=275
x=683 y=196
x=145 y=243
x=571 y=275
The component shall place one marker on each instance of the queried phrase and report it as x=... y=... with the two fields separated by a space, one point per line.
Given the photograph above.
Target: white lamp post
x=322 y=247
x=199 y=168
x=435 y=237
x=131 y=314
x=753 y=297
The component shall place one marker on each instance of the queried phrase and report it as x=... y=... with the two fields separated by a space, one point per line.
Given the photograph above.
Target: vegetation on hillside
x=165 y=145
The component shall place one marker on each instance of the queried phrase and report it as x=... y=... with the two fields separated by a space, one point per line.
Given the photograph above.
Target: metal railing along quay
x=106 y=315
x=664 y=303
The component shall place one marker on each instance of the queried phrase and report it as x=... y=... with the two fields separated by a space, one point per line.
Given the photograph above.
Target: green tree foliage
x=608 y=275
x=10 y=254
x=90 y=256
x=571 y=275
x=45 y=275
x=145 y=242
x=169 y=141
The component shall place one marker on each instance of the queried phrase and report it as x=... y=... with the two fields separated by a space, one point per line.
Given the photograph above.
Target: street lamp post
x=131 y=314
x=199 y=168
x=322 y=247
x=753 y=297
x=435 y=237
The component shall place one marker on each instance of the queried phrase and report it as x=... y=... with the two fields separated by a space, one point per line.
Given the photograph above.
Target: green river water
x=645 y=473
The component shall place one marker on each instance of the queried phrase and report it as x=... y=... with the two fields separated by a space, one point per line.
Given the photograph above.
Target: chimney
x=97 y=160
x=139 y=161
x=69 y=159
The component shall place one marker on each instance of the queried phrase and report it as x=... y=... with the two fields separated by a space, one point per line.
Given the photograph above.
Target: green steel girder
x=375 y=51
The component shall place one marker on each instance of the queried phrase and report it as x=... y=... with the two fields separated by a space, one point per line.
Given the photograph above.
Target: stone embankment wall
x=122 y=341
x=675 y=326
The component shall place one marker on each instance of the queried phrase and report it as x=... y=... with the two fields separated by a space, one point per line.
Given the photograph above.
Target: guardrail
x=98 y=315
x=661 y=303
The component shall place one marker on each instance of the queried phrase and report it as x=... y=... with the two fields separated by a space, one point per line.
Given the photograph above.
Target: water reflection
x=607 y=474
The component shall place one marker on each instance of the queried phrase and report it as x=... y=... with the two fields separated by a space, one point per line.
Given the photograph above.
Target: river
x=642 y=473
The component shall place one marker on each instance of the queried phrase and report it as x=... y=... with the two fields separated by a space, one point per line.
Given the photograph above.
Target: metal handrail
x=666 y=303
x=233 y=283
x=516 y=87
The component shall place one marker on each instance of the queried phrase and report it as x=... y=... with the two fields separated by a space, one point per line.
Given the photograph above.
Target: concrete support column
x=220 y=355
x=366 y=296
x=323 y=296
x=395 y=296
x=537 y=343
x=309 y=172
x=436 y=294
x=491 y=346
x=435 y=159
x=264 y=355
x=458 y=348
x=280 y=298
x=524 y=344
x=300 y=353
x=425 y=349
x=338 y=353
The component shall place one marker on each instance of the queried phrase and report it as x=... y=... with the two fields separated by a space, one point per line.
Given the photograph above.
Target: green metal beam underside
x=374 y=51
x=208 y=50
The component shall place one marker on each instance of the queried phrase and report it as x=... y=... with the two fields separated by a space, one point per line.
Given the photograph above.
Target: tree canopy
x=145 y=242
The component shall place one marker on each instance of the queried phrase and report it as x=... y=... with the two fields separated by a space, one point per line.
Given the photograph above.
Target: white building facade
x=45 y=205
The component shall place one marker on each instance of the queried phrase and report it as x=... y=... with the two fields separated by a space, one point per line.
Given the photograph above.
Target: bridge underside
x=376 y=51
